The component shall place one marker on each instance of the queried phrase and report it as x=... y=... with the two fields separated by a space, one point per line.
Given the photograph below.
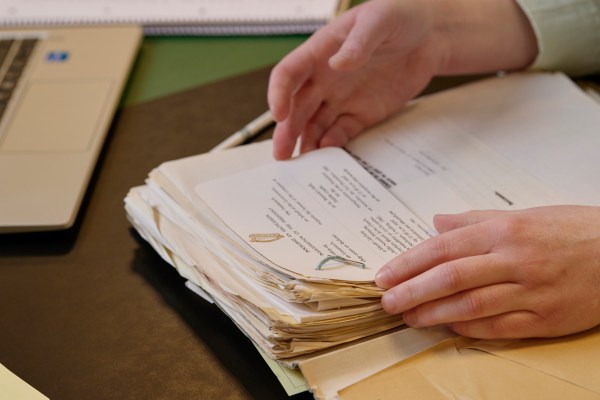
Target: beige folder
x=562 y=368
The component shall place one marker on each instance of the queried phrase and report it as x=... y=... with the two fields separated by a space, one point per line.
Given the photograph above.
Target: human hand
x=350 y=74
x=367 y=63
x=502 y=274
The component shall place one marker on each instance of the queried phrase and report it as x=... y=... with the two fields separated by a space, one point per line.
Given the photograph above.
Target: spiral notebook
x=179 y=17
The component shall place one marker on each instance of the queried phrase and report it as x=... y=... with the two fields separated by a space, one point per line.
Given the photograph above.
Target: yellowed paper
x=447 y=371
x=572 y=358
x=337 y=369
x=291 y=379
x=14 y=388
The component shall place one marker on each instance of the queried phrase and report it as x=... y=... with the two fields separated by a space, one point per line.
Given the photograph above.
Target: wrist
x=480 y=36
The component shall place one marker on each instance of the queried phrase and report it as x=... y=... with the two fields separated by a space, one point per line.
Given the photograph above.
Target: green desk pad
x=167 y=65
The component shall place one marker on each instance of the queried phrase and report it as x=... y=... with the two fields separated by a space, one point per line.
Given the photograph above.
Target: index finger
x=285 y=79
x=300 y=64
x=464 y=242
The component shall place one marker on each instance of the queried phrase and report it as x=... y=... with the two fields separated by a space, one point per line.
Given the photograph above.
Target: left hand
x=502 y=274
x=367 y=63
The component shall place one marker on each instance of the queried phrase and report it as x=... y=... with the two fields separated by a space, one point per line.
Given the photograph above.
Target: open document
x=289 y=250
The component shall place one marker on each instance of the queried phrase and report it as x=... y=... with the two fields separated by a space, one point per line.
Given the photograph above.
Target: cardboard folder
x=561 y=368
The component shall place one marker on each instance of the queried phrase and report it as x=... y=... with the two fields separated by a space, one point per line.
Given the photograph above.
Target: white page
x=322 y=203
x=503 y=143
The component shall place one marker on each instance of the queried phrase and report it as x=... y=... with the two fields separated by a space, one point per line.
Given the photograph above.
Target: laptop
x=59 y=89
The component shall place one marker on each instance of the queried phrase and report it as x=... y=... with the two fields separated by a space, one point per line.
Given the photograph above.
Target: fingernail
x=388 y=302
x=382 y=277
x=409 y=319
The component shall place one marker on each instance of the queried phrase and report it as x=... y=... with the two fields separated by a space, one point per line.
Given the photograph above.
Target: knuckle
x=514 y=325
x=410 y=317
x=451 y=277
x=463 y=328
x=419 y=317
x=511 y=226
x=497 y=327
x=473 y=303
x=281 y=73
x=410 y=293
x=438 y=248
x=550 y=313
x=399 y=269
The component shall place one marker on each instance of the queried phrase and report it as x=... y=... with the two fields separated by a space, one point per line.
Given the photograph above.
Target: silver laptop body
x=59 y=89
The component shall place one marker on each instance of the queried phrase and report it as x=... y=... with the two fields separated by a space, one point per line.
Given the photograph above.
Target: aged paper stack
x=259 y=240
x=289 y=249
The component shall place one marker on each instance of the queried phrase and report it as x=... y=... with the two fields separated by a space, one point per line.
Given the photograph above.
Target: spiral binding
x=185 y=27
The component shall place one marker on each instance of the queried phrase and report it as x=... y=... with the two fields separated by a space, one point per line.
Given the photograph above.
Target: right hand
x=494 y=274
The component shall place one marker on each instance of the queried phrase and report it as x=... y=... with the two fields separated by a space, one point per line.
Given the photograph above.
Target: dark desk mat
x=94 y=313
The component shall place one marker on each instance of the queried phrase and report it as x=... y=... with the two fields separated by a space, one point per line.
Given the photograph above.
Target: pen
x=252 y=129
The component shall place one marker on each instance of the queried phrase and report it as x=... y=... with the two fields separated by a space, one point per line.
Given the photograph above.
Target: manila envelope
x=560 y=368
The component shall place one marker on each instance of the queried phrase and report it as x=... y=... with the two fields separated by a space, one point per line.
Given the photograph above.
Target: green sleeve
x=568 y=34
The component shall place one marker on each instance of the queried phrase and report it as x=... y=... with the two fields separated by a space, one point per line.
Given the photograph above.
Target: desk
x=93 y=312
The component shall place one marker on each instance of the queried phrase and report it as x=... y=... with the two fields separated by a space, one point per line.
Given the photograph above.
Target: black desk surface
x=94 y=313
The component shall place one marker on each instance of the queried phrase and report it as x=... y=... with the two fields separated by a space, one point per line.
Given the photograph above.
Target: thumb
x=448 y=222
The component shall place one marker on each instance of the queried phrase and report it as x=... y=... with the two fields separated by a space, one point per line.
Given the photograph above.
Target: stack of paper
x=289 y=249
x=254 y=236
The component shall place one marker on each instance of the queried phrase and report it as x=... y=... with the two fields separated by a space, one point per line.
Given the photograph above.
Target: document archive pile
x=289 y=250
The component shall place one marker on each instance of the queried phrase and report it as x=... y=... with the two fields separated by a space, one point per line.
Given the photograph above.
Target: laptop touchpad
x=57 y=116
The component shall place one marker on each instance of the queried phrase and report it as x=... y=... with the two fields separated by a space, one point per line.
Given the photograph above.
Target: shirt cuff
x=568 y=34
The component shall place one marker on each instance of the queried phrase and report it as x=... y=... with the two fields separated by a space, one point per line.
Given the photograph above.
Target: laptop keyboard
x=14 y=54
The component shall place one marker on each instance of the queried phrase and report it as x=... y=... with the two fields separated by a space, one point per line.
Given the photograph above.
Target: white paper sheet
x=320 y=204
